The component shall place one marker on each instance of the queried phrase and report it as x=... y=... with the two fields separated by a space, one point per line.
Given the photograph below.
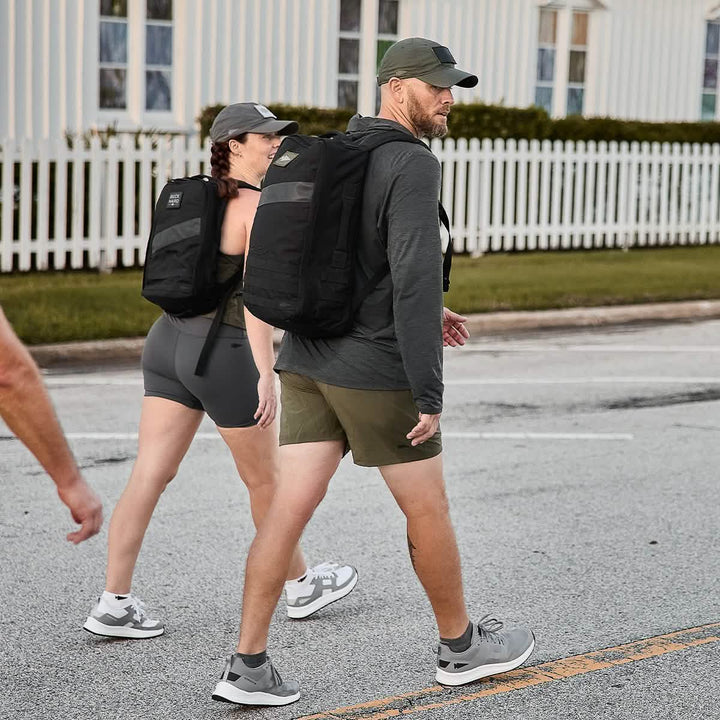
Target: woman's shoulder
x=245 y=201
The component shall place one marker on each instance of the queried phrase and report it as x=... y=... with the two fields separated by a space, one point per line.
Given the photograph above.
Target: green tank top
x=227 y=266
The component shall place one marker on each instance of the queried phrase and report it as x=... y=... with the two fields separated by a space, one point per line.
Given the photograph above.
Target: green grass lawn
x=544 y=280
x=57 y=307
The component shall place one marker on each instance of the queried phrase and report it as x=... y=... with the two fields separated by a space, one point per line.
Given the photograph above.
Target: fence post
x=8 y=204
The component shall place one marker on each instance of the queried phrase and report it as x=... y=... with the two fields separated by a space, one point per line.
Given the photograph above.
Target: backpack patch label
x=174 y=200
x=286 y=158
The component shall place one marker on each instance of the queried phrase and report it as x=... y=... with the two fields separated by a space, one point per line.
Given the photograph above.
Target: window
x=113 y=51
x=349 y=48
x=158 y=55
x=562 y=51
x=710 y=75
x=576 y=68
x=547 y=40
x=135 y=30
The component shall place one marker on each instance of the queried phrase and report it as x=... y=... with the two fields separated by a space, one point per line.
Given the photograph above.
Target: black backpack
x=180 y=273
x=300 y=268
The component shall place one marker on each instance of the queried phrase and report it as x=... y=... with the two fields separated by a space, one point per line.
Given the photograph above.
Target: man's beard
x=423 y=122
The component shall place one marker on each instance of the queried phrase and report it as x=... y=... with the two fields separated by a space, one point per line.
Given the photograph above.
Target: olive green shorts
x=372 y=423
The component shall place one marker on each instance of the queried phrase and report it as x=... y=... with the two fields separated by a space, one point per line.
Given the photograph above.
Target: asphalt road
x=582 y=471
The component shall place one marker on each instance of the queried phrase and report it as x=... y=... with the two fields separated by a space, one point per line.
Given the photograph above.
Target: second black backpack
x=181 y=258
x=300 y=269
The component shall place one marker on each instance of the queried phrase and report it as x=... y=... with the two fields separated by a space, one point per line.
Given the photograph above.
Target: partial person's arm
x=26 y=408
x=415 y=256
x=238 y=222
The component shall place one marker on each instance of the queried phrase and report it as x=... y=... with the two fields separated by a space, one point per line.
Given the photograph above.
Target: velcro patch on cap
x=265 y=112
x=443 y=54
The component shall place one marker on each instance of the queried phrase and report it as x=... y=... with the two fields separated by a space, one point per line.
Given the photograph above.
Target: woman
x=237 y=391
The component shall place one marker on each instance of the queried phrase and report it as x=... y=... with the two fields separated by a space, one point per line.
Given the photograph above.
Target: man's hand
x=454 y=331
x=85 y=508
x=267 y=400
x=427 y=426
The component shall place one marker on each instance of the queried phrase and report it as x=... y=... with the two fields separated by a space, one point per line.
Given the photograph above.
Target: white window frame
x=546 y=46
x=357 y=35
x=574 y=84
x=563 y=37
x=135 y=115
x=108 y=65
x=712 y=17
x=147 y=67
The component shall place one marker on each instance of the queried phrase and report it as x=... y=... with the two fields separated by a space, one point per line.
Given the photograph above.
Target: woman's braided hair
x=220 y=167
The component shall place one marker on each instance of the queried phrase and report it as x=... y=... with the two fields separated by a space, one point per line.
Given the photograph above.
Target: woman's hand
x=267 y=400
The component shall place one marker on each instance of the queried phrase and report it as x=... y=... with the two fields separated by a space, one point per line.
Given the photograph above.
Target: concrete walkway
x=129 y=349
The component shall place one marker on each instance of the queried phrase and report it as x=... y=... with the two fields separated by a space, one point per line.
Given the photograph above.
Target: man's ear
x=397 y=89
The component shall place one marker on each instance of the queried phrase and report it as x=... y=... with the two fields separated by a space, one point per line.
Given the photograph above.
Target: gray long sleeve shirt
x=396 y=342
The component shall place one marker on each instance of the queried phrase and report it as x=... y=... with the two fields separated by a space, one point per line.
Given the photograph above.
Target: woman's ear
x=234 y=146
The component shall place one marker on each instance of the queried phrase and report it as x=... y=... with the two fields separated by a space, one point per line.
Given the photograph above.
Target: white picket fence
x=91 y=206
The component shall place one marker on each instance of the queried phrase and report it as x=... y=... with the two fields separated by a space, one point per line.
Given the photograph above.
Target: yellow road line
x=413 y=702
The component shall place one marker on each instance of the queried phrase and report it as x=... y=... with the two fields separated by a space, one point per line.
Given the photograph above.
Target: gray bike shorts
x=227 y=391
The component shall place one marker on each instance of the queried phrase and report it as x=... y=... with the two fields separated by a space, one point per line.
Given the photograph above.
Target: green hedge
x=496 y=121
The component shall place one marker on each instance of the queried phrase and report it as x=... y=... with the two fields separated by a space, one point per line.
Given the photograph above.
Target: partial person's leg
x=467 y=651
x=166 y=431
x=419 y=490
x=255 y=451
x=305 y=471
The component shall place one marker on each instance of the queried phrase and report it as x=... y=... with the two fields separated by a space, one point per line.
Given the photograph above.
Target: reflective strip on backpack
x=287 y=192
x=176 y=233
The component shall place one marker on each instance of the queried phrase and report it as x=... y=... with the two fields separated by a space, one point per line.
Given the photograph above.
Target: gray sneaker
x=129 y=621
x=254 y=686
x=492 y=650
x=323 y=584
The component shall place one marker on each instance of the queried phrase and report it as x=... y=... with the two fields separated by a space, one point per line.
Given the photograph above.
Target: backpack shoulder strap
x=215 y=326
x=372 y=141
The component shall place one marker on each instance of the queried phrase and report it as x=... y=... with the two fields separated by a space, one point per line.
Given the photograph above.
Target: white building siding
x=494 y=39
x=653 y=51
x=644 y=57
x=223 y=51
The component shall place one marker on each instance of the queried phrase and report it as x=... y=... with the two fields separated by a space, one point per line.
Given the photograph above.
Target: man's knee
x=296 y=505
x=434 y=504
x=418 y=487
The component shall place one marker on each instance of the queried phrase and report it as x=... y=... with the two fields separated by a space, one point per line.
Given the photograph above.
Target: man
x=27 y=410
x=378 y=391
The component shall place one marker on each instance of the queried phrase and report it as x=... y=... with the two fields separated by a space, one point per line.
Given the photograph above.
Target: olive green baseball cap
x=425 y=60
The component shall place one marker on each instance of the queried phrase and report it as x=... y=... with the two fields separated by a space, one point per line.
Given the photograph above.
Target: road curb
x=501 y=322
x=130 y=349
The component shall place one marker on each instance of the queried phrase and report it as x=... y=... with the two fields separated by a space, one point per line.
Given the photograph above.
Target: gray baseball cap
x=239 y=118
x=425 y=60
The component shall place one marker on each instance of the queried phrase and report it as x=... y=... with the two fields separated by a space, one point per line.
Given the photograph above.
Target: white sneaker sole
x=225 y=692
x=462 y=678
x=97 y=628
x=297 y=613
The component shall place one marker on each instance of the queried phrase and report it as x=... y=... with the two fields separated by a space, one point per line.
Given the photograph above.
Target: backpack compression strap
x=229 y=287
